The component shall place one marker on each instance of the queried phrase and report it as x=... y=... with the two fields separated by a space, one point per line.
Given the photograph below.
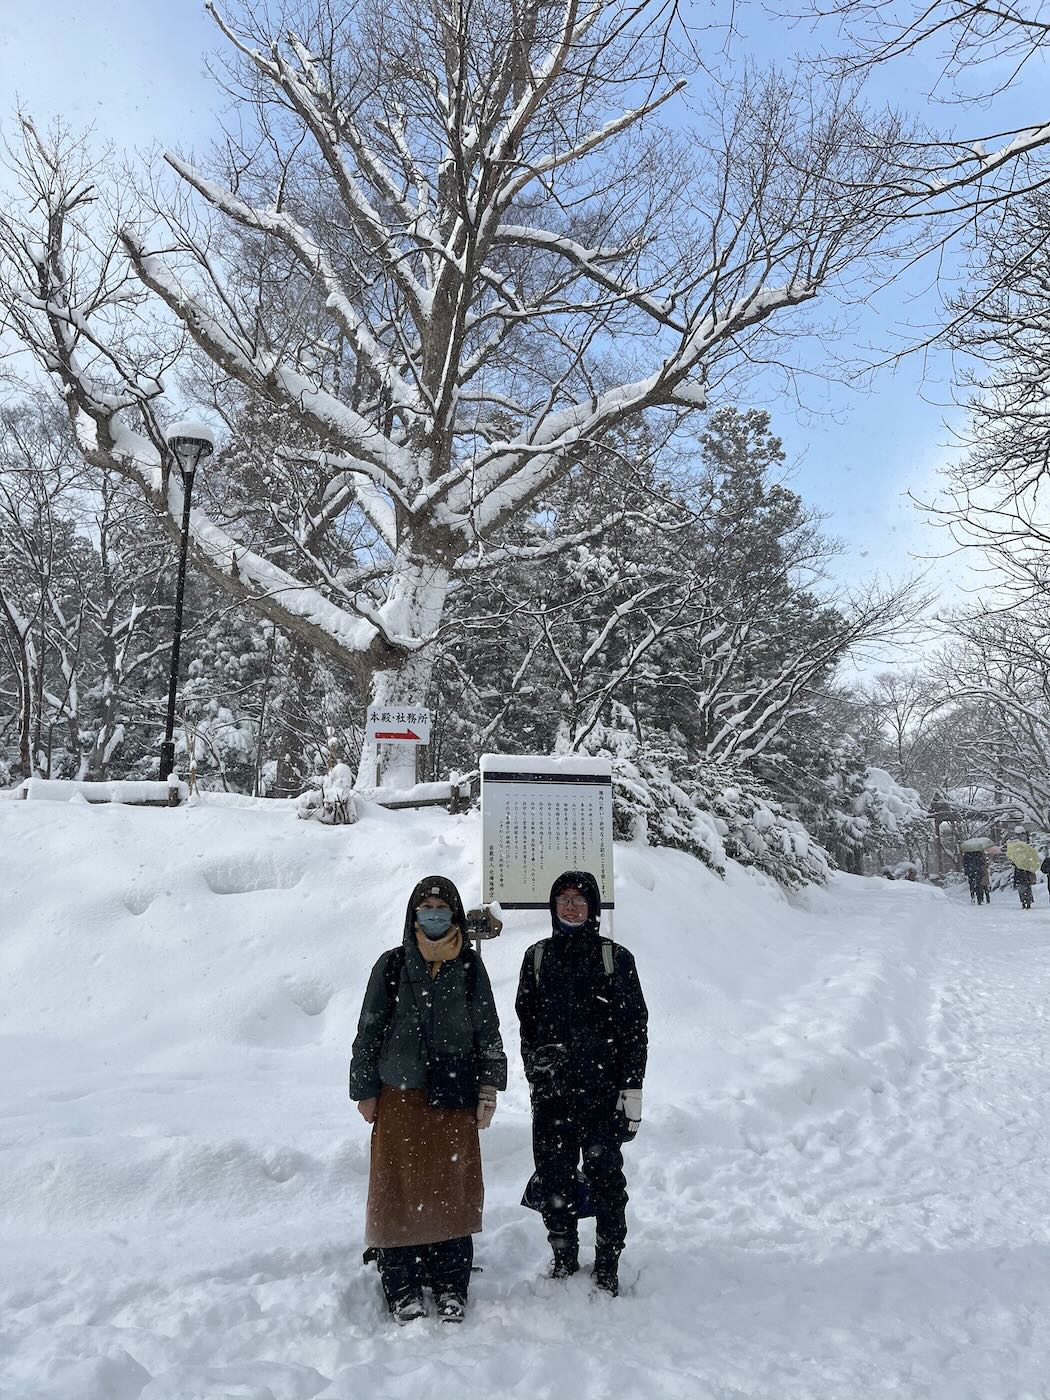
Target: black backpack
x=608 y=958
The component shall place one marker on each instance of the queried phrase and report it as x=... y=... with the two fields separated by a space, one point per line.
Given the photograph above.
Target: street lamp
x=189 y=443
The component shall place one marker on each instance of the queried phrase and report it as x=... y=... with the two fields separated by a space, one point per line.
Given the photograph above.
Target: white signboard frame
x=397 y=724
x=539 y=817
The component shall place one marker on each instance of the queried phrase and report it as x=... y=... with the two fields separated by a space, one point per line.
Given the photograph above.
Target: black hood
x=444 y=889
x=585 y=882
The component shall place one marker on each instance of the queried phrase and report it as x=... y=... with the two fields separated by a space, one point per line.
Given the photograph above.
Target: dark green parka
x=457 y=1005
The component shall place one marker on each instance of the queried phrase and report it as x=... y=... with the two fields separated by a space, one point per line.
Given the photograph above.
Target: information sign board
x=540 y=816
x=398 y=724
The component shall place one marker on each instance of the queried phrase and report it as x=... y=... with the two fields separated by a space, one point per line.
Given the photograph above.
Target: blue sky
x=134 y=70
x=131 y=68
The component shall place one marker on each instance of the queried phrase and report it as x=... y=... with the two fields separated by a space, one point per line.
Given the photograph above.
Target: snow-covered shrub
x=715 y=811
x=892 y=810
x=651 y=807
x=338 y=807
x=756 y=829
x=902 y=870
x=872 y=820
x=329 y=800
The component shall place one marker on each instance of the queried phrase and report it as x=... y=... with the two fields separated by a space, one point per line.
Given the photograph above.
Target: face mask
x=566 y=926
x=435 y=923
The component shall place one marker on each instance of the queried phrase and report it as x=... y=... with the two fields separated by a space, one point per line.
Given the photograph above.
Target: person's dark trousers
x=568 y=1132
x=405 y=1270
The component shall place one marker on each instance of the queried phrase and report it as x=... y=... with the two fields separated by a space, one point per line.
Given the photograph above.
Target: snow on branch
x=589 y=261
x=313 y=102
x=965 y=173
x=330 y=416
x=317 y=263
x=511 y=472
x=547 y=165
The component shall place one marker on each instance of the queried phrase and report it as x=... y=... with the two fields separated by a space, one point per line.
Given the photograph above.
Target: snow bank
x=129 y=790
x=184 y=1177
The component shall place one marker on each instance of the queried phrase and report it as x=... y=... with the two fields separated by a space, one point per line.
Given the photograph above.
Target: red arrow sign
x=395 y=734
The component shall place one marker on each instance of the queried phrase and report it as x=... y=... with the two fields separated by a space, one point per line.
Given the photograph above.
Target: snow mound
x=184 y=1177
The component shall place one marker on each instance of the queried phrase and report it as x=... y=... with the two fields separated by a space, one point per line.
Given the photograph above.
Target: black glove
x=547 y=1064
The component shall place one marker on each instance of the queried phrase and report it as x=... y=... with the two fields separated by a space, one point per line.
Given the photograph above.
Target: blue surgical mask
x=435 y=923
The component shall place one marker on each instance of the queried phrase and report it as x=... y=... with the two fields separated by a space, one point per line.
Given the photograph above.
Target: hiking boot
x=409 y=1309
x=451 y=1307
x=566 y=1261
x=605 y=1274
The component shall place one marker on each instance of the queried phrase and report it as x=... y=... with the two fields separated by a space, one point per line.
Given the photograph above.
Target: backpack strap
x=470 y=957
x=395 y=965
x=608 y=959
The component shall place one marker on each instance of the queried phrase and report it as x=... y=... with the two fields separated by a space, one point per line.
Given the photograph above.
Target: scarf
x=435 y=951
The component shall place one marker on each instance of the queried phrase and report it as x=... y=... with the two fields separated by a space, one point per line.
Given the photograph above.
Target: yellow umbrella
x=1024 y=856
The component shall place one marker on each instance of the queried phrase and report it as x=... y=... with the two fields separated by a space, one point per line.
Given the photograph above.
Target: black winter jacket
x=582 y=1030
x=390 y=1048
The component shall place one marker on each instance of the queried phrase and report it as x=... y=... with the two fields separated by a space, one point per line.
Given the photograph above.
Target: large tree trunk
x=293 y=765
x=109 y=734
x=25 y=709
x=414 y=609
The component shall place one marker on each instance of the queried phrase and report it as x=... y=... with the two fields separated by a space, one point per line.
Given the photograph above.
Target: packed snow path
x=840 y=1190
x=902 y=1251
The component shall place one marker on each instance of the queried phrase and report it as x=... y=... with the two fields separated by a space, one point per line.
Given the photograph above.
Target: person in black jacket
x=1045 y=870
x=975 y=868
x=1023 y=882
x=584 y=1044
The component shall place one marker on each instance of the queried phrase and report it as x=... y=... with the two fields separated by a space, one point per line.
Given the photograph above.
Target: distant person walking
x=1045 y=870
x=426 y=1064
x=584 y=1043
x=1024 y=880
x=975 y=868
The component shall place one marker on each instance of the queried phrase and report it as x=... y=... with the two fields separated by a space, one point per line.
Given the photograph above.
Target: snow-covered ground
x=841 y=1188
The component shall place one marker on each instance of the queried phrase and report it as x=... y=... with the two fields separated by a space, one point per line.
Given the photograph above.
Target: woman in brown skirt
x=427 y=1062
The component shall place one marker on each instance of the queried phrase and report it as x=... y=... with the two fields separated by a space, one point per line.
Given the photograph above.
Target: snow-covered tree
x=700 y=607
x=126 y=628
x=712 y=810
x=870 y=818
x=998 y=670
x=496 y=259
x=995 y=502
x=43 y=570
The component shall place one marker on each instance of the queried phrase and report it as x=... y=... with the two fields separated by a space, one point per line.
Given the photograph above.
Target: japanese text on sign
x=538 y=820
x=398 y=724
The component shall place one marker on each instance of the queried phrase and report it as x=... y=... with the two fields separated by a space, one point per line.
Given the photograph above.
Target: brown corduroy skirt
x=424 y=1184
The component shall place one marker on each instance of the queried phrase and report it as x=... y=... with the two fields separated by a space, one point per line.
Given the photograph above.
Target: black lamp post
x=190 y=443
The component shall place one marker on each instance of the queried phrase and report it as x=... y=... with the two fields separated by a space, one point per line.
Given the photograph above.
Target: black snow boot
x=605 y=1275
x=451 y=1307
x=566 y=1261
x=409 y=1308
